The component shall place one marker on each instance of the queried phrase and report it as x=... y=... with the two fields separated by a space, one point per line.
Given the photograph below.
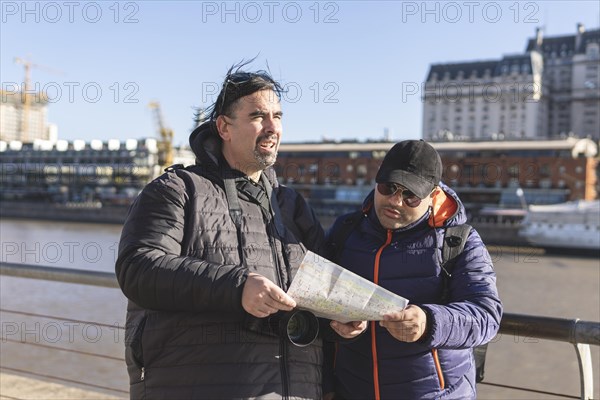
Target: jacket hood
x=448 y=209
x=206 y=144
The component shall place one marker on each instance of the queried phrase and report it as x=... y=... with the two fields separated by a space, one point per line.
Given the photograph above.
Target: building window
x=545 y=170
x=592 y=50
x=513 y=171
x=361 y=171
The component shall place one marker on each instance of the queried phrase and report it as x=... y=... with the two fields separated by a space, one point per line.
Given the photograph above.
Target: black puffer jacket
x=183 y=264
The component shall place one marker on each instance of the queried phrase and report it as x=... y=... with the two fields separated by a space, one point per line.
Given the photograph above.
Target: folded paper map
x=332 y=292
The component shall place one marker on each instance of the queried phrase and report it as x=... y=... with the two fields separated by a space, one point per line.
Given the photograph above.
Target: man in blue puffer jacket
x=425 y=350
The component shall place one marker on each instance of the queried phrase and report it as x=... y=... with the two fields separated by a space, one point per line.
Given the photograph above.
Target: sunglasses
x=408 y=197
x=237 y=78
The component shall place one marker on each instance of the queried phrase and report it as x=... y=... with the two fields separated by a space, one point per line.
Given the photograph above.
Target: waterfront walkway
x=14 y=386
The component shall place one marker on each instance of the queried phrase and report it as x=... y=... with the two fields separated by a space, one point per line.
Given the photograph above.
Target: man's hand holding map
x=332 y=292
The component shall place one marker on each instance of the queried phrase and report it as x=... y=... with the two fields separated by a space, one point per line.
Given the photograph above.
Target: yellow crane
x=25 y=98
x=26 y=95
x=165 y=144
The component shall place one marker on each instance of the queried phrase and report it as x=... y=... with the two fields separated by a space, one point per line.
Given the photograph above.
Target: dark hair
x=239 y=83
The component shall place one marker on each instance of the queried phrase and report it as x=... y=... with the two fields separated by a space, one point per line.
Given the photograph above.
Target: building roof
x=18 y=98
x=478 y=69
x=566 y=44
x=578 y=146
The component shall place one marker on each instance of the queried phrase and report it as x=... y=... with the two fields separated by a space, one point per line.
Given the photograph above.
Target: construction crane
x=165 y=144
x=25 y=98
x=26 y=95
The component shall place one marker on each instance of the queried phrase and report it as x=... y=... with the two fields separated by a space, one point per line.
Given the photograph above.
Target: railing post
x=584 y=357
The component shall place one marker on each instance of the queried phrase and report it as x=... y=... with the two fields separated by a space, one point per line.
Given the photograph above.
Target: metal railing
x=68 y=275
x=580 y=333
x=575 y=331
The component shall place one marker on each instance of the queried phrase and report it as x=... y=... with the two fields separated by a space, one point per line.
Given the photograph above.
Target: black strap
x=278 y=219
x=455 y=238
x=235 y=211
x=174 y=167
x=341 y=231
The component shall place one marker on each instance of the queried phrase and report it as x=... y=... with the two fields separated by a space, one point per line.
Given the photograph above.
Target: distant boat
x=573 y=225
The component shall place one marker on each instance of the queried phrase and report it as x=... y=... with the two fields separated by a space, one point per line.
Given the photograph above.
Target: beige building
x=485 y=100
x=571 y=74
x=550 y=91
x=24 y=121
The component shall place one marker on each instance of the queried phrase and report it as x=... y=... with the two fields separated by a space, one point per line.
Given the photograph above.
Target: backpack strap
x=341 y=230
x=174 y=167
x=229 y=185
x=455 y=238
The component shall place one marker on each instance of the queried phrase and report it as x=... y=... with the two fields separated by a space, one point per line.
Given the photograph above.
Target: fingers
x=409 y=313
x=261 y=297
x=348 y=330
x=395 y=316
x=405 y=332
x=281 y=298
x=408 y=325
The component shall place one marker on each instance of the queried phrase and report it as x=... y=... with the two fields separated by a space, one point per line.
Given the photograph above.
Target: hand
x=407 y=325
x=261 y=297
x=348 y=330
x=329 y=396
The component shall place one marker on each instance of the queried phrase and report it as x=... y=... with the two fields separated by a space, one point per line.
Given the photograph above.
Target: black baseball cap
x=414 y=164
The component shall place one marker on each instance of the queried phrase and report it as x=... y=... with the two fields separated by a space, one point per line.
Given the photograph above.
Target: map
x=331 y=291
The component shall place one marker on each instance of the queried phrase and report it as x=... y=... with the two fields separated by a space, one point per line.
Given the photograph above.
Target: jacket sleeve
x=149 y=267
x=472 y=316
x=301 y=219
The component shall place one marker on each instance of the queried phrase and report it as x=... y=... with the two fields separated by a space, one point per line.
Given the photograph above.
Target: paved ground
x=530 y=282
x=14 y=386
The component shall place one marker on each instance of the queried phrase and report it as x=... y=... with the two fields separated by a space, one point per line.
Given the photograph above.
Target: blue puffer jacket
x=440 y=364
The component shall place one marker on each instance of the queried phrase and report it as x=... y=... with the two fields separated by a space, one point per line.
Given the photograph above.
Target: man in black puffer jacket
x=208 y=248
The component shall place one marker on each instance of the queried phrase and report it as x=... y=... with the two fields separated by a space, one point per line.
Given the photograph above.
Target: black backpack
x=454 y=243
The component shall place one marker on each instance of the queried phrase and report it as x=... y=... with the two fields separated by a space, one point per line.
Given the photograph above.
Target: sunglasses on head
x=234 y=79
x=390 y=189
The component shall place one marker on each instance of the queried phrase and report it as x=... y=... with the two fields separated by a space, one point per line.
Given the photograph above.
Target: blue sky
x=351 y=67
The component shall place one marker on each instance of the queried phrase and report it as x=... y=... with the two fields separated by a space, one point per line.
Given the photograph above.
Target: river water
x=85 y=323
x=73 y=333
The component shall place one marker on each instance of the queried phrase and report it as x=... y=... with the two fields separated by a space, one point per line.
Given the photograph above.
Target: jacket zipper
x=438 y=368
x=388 y=240
x=282 y=344
x=143 y=375
x=284 y=380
